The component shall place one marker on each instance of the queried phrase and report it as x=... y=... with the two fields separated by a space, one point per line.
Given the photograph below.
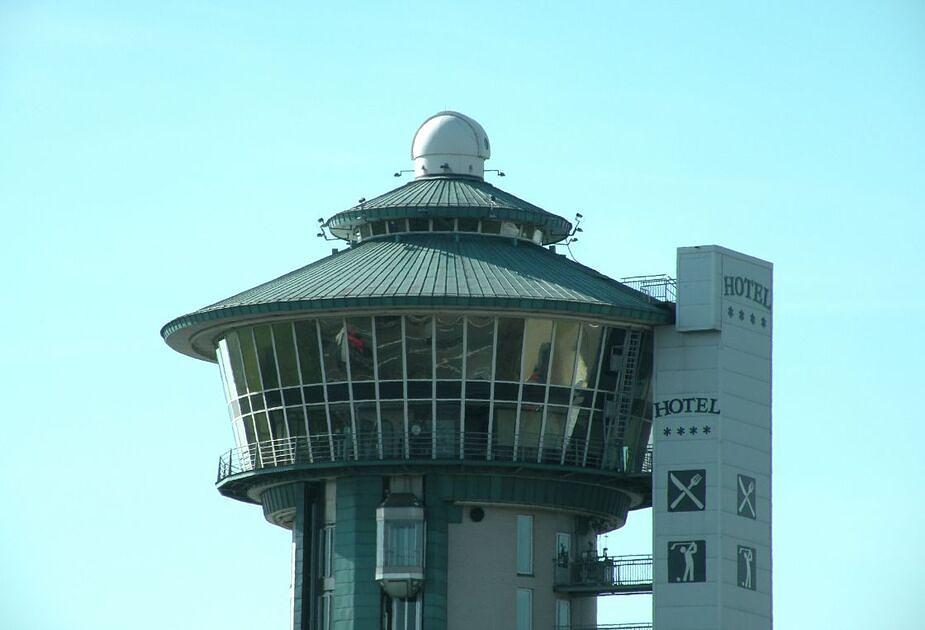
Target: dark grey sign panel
x=745 y=497
x=687 y=490
x=687 y=561
x=745 y=575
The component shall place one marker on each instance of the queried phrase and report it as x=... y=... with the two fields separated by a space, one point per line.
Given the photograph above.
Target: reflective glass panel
x=334 y=348
x=468 y=225
x=588 y=352
x=309 y=357
x=261 y=423
x=476 y=437
x=266 y=357
x=419 y=225
x=479 y=341
x=360 y=346
x=247 y=424
x=420 y=429
x=285 y=354
x=531 y=423
x=296 y=418
x=221 y=355
x=418 y=346
x=237 y=364
x=278 y=424
x=442 y=224
x=317 y=420
x=447 y=423
x=393 y=428
x=249 y=356
x=367 y=429
x=612 y=361
x=502 y=431
x=449 y=347
x=389 y=347
x=555 y=431
x=397 y=225
x=563 y=359
x=537 y=340
x=576 y=433
x=491 y=227
x=510 y=344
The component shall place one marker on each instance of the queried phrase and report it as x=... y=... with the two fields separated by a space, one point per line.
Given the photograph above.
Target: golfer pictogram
x=746 y=497
x=687 y=490
x=746 y=567
x=687 y=561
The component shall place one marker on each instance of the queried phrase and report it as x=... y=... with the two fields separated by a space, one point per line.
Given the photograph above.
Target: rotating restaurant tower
x=446 y=413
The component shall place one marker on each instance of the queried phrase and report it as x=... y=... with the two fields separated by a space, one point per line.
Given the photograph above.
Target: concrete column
x=357 y=596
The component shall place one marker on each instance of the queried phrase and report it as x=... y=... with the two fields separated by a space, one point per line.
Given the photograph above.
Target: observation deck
x=243 y=467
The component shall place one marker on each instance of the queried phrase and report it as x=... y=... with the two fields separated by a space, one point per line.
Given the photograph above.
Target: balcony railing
x=604 y=575
x=612 y=626
x=660 y=287
x=449 y=446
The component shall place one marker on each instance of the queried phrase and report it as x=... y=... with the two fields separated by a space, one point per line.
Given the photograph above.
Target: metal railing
x=605 y=575
x=660 y=287
x=346 y=447
x=611 y=626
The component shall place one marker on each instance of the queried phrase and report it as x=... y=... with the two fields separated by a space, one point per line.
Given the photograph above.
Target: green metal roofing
x=426 y=271
x=450 y=196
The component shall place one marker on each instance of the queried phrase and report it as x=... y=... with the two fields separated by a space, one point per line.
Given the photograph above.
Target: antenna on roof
x=402 y=172
x=571 y=238
x=494 y=170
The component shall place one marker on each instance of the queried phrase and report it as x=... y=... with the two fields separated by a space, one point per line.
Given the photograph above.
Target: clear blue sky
x=158 y=156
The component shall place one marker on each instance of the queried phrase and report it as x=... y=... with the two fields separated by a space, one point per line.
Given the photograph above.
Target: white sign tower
x=712 y=437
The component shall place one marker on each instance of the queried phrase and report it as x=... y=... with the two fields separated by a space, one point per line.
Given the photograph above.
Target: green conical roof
x=449 y=196
x=425 y=272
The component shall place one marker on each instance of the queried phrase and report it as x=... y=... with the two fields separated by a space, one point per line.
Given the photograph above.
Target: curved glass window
x=448 y=386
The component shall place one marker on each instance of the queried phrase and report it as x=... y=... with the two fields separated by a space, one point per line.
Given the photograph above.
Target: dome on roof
x=450 y=143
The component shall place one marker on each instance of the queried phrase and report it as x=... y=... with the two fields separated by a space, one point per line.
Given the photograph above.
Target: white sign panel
x=712 y=436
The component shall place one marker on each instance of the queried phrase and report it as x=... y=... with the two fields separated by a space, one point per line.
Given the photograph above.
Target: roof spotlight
x=578 y=215
x=578 y=229
x=320 y=220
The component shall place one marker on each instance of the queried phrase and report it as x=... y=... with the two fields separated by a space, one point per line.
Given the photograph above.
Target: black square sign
x=687 y=490
x=745 y=574
x=687 y=561
x=745 y=497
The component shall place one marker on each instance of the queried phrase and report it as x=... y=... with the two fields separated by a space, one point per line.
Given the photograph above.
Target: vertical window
x=524 y=609
x=389 y=348
x=510 y=344
x=334 y=348
x=360 y=348
x=237 y=365
x=267 y=357
x=449 y=347
x=480 y=339
x=285 y=355
x=537 y=338
x=418 y=346
x=249 y=355
x=309 y=357
x=588 y=352
x=524 y=544
x=563 y=614
x=563 y=360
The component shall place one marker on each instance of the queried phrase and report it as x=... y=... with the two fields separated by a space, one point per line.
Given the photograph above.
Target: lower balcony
x=346 y=448
x=595 y=575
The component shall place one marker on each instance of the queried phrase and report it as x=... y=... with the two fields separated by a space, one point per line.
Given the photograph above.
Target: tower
x=446 y=413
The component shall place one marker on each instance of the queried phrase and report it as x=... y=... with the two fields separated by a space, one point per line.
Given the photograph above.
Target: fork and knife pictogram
x=747 y=494
x=686 y=490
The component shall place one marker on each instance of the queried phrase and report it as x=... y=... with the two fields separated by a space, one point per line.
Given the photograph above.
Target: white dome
x=450 y=143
